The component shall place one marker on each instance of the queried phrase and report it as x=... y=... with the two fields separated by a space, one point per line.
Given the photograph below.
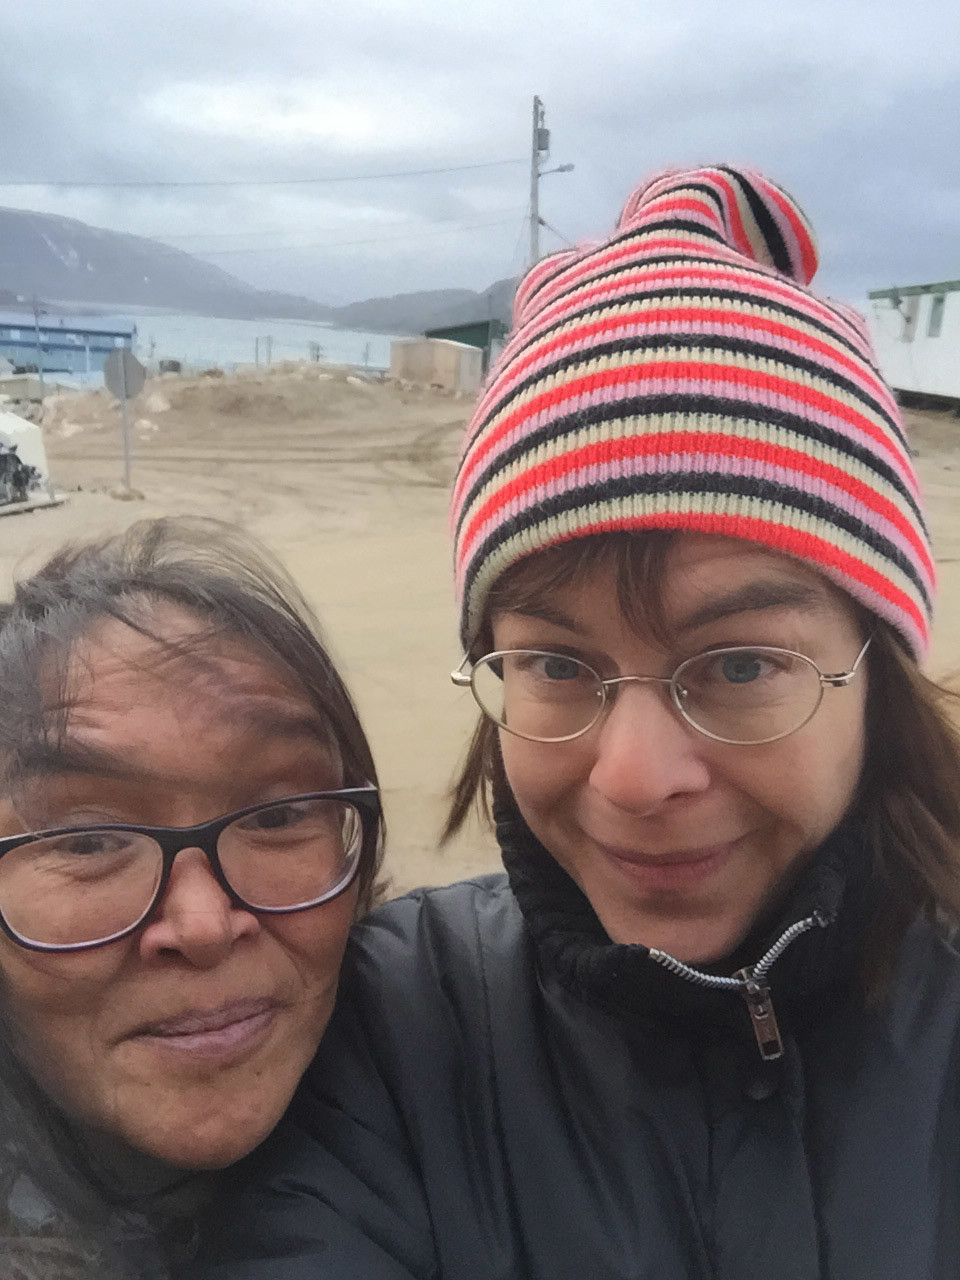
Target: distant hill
x=63 y=260
x=414 y=312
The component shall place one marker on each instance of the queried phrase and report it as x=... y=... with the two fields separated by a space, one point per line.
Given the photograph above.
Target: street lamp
x=539 y=148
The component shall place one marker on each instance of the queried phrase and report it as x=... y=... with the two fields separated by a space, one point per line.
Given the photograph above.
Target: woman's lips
x=671 y=871
x=223 y=1032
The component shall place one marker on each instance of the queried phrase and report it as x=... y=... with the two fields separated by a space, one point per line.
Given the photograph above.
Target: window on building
x=936 y=315
x=910 y=309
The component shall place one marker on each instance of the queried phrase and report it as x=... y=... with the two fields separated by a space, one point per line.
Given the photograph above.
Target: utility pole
x=539 y=149
x=540 y=141
x=36 y=329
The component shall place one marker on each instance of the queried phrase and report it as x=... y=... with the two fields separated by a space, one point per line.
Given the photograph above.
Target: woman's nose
x=195 y=918
x=646 y=754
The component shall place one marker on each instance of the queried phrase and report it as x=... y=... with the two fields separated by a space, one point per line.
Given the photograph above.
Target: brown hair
x=909 y=796
x=212 y=571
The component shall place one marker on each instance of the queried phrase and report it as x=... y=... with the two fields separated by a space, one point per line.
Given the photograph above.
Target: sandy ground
x=346 y=481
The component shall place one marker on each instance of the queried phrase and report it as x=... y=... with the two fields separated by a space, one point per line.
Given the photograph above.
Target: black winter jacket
x=504 y=1094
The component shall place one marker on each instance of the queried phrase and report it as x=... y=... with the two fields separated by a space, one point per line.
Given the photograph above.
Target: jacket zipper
x=751 y=983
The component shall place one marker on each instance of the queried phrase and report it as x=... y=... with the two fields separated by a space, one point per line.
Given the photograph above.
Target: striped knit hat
x=680 y=375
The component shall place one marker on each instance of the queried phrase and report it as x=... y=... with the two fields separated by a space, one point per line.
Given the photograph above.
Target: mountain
x=63 y=260
x=414 y=312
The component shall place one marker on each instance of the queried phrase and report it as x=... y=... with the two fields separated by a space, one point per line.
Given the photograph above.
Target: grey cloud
x=851 y=109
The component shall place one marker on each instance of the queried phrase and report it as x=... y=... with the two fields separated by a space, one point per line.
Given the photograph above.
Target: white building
x=437 y=362
x=916 y=334
x=27 y=438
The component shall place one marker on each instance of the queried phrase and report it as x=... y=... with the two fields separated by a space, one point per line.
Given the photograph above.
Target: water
x=203 y=341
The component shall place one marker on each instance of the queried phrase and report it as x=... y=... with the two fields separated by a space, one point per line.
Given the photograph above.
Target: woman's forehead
x=177 y=652
x=699 y=579
x=133 y=691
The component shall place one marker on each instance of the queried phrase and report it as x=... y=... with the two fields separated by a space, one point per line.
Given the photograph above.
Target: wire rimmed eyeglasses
x=741 y=695
x=79 y=887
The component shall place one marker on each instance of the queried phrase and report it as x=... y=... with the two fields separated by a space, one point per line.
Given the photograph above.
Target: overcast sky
x=852 y=105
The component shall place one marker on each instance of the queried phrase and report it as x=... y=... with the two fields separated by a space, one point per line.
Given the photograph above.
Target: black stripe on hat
x=635 y=233
x=720 y=293
x=772 y=235
x=696 y=407
x=694 y=483
x=599 y=273
x=681 y=342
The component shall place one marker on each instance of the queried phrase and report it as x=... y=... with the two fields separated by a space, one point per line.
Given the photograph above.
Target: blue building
x=61 y=343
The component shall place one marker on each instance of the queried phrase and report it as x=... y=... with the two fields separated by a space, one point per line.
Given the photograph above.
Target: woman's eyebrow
x=753 y=597
x=47 y=759
x=72 y=755
x=543 y=612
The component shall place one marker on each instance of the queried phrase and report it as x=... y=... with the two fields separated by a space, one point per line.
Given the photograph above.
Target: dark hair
x=211 y=570
x=909 y=795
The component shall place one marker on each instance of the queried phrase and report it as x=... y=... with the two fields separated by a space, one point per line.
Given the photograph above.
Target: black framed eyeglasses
x=742 y=695
x=79 y=887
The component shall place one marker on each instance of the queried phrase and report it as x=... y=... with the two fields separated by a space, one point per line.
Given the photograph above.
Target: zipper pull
x=762 y=1016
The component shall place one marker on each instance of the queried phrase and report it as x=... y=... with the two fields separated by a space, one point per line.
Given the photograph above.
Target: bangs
x=637 y=562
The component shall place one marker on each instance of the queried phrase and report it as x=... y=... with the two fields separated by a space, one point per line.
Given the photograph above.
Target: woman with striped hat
x=707 y=1023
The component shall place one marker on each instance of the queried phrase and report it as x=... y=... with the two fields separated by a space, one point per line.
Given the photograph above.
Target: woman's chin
x=692 y=942
x=201 y=1147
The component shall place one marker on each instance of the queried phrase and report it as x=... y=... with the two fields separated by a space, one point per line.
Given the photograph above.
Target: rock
x=145 y=426
x=156 y=402
x=123 y=494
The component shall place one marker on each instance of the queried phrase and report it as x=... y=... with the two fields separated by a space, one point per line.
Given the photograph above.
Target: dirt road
x=346 y=481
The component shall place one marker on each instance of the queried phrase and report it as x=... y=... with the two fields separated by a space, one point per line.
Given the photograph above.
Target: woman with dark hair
x=708 y=1023
x=189 y=824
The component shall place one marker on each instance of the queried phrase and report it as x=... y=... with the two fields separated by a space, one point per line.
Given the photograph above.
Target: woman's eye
x=555 y=667
x=277 y=818
x=89 y=844
x=742 y=668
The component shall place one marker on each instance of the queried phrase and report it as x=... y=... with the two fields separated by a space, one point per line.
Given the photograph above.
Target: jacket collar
x=575 y=951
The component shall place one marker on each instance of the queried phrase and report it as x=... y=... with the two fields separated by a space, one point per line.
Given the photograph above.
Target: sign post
x=124 y=376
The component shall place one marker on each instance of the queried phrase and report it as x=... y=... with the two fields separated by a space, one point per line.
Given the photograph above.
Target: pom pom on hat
x=745 y=210
x=681 y=375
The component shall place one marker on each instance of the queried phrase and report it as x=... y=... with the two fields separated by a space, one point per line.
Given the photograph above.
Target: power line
x=343 y=244
x=565 y=239
x=301 y=230
x=263 y=182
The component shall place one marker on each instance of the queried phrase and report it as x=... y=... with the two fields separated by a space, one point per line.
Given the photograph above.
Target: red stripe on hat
x=806 y=546
x=678 y=315
x=703 y=444
x=668 y=203
x=808 y=251
x=733 y=213
x=673 y=371
x=643 y=245
x=763 y=288
x=764 y=284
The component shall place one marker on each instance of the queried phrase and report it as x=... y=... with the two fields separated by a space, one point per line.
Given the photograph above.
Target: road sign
x=124 y=374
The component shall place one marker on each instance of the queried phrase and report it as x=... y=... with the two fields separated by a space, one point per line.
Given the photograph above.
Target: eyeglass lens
x=744 y=695
x=76 y=888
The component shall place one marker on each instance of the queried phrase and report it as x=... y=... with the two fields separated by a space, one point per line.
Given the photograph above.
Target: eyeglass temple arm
x=842 y=678
x=460 y=677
